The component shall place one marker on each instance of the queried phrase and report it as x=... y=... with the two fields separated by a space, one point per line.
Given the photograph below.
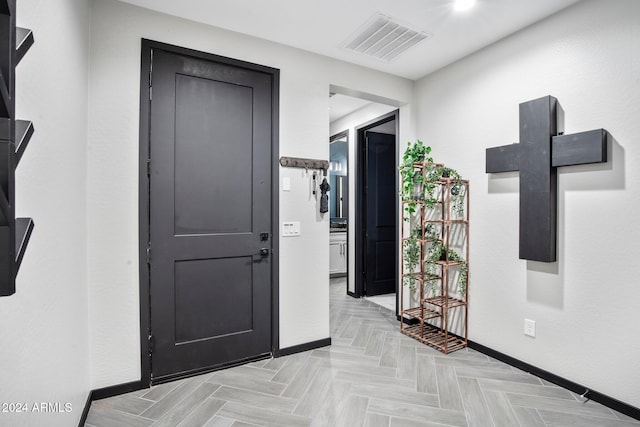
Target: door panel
x=384 y=270
x=381 y=228
x=210 y=198
x=208 y=294
x=211 y=115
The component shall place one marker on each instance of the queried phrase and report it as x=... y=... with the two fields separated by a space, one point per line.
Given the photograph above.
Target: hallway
x=371 y=375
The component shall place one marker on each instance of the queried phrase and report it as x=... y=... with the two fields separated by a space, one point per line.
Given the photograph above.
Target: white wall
x=586 y=304
x=44 y=332
x=113 y=174
x=349 y=123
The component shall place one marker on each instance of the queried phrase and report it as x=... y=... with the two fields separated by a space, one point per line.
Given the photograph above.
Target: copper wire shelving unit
x=431 y=315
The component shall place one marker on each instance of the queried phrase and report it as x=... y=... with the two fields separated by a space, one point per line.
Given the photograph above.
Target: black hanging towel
x=324 y=198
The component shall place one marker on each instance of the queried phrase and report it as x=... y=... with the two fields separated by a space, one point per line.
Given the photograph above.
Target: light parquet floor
x=371 y=375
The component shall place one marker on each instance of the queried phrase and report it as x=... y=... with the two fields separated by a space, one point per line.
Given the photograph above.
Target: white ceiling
x=323 y=26
x=341 y=105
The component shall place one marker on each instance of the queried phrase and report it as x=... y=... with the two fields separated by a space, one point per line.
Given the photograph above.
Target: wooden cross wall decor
x=541 y=150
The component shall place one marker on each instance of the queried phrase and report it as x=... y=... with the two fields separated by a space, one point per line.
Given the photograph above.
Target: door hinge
x=149 y=254
x=152 y=343
x=150 y=93
x=148 y=167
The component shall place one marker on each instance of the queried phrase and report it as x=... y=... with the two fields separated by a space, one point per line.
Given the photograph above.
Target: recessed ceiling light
x=462 y=5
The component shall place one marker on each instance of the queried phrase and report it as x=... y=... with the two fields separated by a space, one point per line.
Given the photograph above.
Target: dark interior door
x=210 y=213
x=381 y=228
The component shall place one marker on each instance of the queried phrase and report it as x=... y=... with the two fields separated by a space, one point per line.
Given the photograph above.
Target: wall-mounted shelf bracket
x=24 y=131
x=24 y=227
x=24 y=40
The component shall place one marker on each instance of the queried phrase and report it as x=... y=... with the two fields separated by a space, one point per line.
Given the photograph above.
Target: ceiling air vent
x=383 y=38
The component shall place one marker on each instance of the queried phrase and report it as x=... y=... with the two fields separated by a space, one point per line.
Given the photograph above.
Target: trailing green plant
x=457 y=199
x=432 y=178
x=421 y=181
x=447 y=172
x=432 y=174
x=412 y=178
x=462 y=278
x=431 y=274
x=416 y=233
x=430 y=232
x=415 y=153
x=411 y=260
x=457 y=189
x=438 y=252
x=432 y=256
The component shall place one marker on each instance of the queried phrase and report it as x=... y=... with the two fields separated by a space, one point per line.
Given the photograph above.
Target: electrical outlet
x=530 y=328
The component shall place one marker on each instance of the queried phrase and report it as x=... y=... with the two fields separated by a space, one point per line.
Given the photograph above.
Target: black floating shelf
x=15 y=135
x=24 y=227
x=24 y=130
x=24 y=40
x=4 y=7
x=6 y=109
x=5 y=208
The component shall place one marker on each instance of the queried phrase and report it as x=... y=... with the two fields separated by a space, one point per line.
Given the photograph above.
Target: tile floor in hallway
x=387 y=301
x=371 y=375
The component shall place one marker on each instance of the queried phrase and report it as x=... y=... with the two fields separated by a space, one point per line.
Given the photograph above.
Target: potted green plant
x=412 y=178
x=457 y=189
x=438 y=252
x=433 y=175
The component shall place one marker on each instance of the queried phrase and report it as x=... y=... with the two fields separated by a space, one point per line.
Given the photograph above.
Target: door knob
x=262 y=253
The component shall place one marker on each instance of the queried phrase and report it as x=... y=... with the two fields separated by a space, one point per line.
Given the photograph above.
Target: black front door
x=210 y=213
x=380 y=204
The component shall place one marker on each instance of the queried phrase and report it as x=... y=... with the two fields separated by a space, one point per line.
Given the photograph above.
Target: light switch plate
x=530 y=328
x=286 y=183
x=290 y=229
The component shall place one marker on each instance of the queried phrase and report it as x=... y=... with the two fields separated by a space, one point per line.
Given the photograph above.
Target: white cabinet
x=338 y=253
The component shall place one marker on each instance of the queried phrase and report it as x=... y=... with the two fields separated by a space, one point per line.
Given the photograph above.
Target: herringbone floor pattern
x=371 y=375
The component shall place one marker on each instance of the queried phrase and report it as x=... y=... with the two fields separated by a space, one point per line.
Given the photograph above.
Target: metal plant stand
x=437 y=312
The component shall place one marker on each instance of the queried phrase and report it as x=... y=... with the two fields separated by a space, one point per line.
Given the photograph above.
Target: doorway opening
x=339 y=207
x=376 y=242
x=354 y=116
